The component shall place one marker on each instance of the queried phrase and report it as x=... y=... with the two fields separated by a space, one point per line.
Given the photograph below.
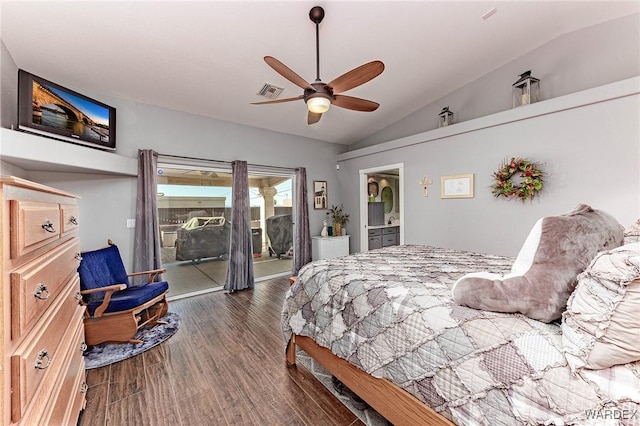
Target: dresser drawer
x=70 y=218
x=35 y=285
x=389 y=240
x=33 y=225
x=69 y=396
x=374 y=232
x=375 y=243
x=41 y=355
x=390 y=230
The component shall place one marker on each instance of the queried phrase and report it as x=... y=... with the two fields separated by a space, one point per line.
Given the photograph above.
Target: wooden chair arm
x=108 y=291
x=152 y=274
x=112 y=288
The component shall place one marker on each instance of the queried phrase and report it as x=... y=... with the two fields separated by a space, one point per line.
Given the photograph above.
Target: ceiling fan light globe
x=318 y=104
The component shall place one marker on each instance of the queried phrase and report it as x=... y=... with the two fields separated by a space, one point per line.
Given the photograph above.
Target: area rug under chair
x=110 y=353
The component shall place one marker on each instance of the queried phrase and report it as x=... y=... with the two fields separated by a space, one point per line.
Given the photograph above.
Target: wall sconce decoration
x=525 y=90
x=445 y=117
x=425 y=182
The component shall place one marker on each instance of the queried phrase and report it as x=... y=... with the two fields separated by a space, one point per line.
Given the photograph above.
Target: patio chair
x=116 y=309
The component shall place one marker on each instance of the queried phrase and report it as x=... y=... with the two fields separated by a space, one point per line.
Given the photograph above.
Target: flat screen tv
x=51 y=110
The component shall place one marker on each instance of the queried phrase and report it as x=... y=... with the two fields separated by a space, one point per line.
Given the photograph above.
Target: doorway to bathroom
x=382 y=206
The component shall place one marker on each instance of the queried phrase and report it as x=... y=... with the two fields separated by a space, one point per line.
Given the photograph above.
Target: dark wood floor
x=224 y=366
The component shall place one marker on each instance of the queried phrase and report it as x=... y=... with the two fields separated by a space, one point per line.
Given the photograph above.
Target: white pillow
x=632 y=233
x=601 y=326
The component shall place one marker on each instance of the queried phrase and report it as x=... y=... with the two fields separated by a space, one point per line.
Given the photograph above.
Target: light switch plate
x=131 y=223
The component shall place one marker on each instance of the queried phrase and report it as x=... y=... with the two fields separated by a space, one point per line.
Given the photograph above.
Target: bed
x=384 y=323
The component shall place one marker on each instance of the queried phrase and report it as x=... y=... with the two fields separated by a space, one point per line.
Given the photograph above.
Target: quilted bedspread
x=390 y=313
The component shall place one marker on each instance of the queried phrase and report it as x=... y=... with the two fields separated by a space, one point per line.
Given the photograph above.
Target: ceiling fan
x=318 y=95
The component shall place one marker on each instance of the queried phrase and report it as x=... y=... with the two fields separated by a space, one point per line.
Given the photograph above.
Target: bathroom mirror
x=387 y=199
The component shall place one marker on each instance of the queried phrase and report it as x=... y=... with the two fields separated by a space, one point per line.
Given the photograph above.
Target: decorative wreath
x=530 y=179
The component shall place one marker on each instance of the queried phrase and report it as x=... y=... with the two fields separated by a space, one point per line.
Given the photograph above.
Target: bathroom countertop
x=382 y=226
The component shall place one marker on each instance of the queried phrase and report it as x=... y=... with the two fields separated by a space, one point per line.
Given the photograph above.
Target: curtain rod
x=270 y=168
x=192 y=158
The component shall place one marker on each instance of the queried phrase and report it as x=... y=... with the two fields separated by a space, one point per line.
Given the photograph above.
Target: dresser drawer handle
x=42 y=292
x=73 y=220
x=78 y=256
x=83 y=346
x=40 y=362
x=84 y=387
x=48 y=226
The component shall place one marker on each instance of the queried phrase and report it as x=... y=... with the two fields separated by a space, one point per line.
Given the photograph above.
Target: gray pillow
x=544 y=274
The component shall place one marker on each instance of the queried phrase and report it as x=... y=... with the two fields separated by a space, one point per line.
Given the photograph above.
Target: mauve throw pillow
x=601 y=326
x=545 y=272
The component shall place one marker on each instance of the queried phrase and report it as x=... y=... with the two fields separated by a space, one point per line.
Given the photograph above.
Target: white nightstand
x=327 y=247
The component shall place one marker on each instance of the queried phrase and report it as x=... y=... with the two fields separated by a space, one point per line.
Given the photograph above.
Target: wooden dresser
x=43 y=337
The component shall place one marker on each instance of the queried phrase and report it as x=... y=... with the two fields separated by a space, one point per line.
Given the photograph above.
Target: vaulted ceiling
x=206 y=57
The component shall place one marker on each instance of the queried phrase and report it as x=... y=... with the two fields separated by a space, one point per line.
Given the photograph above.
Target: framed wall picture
x=320 y=200
x=456 y=186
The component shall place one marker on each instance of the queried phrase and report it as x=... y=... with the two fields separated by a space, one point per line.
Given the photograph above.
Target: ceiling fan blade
x=356 y=104
x=286 y=72
x=277 y=101
x=313 y=117
x=356 y=77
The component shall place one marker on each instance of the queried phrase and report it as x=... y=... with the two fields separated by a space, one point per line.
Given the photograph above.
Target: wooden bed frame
x=392 y=402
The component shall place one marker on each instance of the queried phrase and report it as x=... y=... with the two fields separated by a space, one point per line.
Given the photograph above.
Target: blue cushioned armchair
x=115 y=308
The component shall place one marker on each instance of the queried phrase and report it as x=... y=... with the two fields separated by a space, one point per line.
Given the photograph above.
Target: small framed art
x=320 y=200
x=456 y=186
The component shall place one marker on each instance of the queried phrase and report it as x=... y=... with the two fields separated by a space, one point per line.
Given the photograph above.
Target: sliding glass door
x=272 y=224
x=194 y=209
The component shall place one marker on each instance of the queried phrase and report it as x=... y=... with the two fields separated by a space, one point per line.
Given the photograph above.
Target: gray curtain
x=146 y=246
x=302 y=245
x=240 y=270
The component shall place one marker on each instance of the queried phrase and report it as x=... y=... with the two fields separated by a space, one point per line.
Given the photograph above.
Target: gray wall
x=8 y=88
x=580 y=60
x=587 y=151
x=591 y=155
x=8 y=103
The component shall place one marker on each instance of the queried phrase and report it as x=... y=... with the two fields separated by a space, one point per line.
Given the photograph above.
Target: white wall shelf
x=604 y=93
x=38 y=153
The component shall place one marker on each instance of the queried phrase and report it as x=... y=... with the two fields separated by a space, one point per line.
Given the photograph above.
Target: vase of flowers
x=339 y=219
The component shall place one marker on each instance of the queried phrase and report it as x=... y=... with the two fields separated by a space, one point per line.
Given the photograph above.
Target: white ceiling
x=206 y=57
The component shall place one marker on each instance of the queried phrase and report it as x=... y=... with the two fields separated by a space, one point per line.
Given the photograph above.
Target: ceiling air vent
x=270 y=91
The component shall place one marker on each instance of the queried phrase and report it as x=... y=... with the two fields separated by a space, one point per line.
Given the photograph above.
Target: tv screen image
x=49 y=109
